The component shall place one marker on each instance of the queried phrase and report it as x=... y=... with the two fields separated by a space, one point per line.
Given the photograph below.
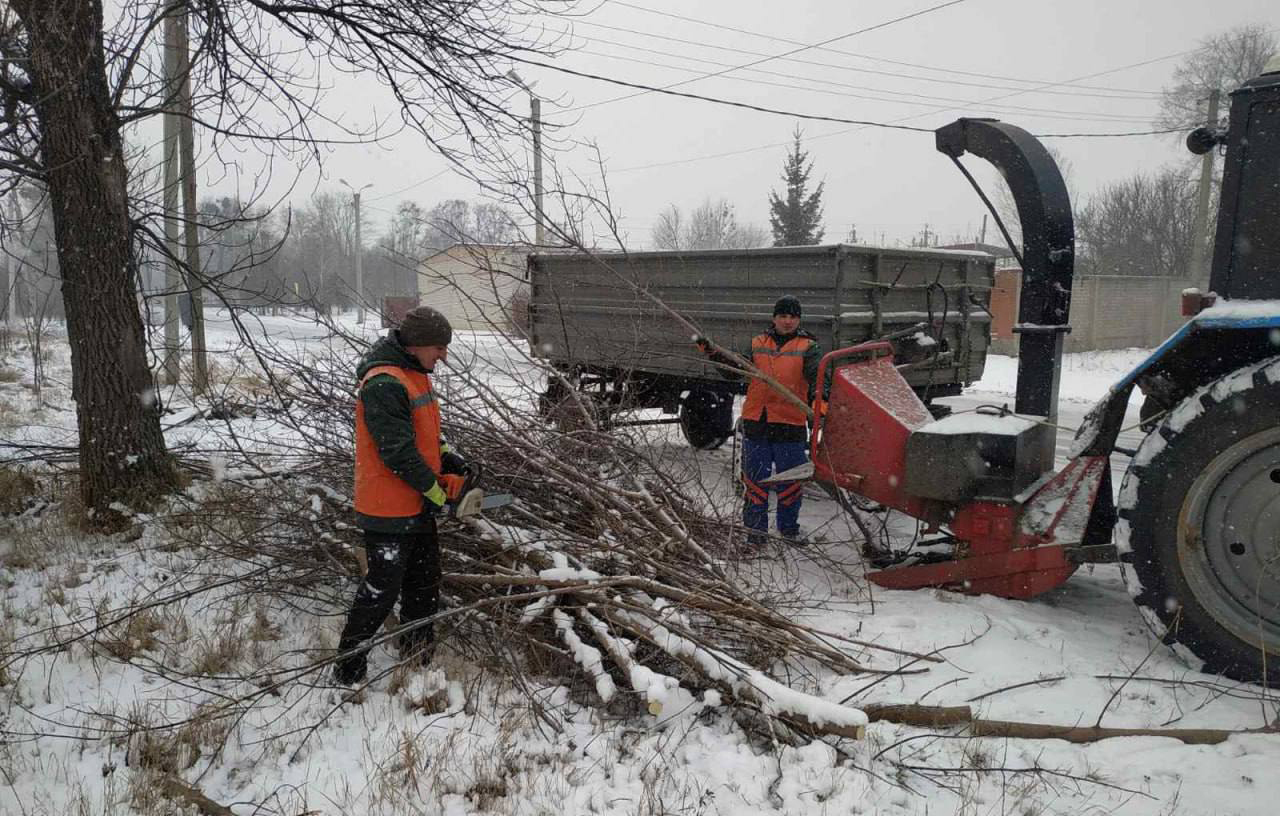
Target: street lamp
x=535 y=119
x=355 y=194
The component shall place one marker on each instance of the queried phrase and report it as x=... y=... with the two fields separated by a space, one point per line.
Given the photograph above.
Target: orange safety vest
x=379 y=491
x=786 y=365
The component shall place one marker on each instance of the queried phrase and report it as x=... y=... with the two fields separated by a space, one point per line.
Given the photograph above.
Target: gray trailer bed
x=594 y=315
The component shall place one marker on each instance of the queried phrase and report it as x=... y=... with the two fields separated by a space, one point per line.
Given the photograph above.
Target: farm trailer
x=605 y=321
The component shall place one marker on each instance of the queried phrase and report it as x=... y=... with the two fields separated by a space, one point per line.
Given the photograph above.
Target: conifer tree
x=796 y=218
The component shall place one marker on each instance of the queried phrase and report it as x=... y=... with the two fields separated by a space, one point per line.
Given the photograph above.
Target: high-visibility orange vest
x=786 y=365
x=379 y=491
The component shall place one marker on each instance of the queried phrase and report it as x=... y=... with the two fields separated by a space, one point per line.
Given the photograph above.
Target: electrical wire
x=703 y=98
x=1069 y=115
x=1125 y=95
x=411 y=186
x=783 y=55
x=667 y=91
x=990 y=208
x=720 y=26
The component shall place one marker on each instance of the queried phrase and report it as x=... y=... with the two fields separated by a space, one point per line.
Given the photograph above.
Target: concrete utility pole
x=359 y=251
x=14 y=263
x=535 y=125
x=1200 y=225
x=172 y=276
x=187 y=141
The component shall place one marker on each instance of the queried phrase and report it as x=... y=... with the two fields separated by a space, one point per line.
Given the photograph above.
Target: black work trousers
x=403 y=567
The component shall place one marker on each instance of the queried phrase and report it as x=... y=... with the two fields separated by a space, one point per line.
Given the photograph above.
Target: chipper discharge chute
x=979 y=482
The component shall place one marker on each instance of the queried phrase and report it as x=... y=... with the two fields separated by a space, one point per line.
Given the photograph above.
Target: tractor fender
x=1213 y=343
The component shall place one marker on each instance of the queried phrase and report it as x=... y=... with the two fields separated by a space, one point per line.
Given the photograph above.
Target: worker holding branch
x=405 y=475
x=774 y=416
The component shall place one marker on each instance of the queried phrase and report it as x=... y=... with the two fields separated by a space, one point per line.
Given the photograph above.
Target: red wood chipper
x=979 y=482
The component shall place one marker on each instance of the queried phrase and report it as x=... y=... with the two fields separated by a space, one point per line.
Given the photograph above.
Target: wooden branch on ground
x=174 y=788
x=951 y=716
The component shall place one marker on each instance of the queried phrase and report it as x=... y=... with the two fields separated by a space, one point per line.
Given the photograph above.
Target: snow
x=1240 y=310
x=456 y=739
x=1086 y=376
x=979 y=422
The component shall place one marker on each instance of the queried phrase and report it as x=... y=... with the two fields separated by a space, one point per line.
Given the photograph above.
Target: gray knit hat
x=425 y=326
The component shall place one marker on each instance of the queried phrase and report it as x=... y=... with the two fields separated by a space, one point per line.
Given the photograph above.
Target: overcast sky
x=1050 y=66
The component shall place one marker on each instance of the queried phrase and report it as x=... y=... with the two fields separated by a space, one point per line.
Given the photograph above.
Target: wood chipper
x=1199 y=508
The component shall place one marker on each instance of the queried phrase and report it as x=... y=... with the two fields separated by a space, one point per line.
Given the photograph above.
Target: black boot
x=418 y=647
x=351 y=670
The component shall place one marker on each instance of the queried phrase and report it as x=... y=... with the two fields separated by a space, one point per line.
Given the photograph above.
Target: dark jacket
x=776 y=431
x=388 y=417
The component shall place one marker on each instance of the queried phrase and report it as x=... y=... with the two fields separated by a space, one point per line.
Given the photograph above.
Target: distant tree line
x=306 y=254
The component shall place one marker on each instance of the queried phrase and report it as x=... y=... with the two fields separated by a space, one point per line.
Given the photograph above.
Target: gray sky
x=1091 y=66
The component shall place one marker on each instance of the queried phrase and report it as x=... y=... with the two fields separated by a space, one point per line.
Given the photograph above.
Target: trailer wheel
x=550 y=399
x=706 y=418
x=569 y=410
x=1203 y=505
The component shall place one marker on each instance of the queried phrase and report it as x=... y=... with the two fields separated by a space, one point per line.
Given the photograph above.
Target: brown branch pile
x=614 y=568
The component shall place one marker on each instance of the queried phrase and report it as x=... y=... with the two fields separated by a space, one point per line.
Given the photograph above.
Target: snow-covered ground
x=457 y=740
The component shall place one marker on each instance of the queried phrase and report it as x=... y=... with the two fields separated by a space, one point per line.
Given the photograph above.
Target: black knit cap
x=787 y=305
x=425 y=326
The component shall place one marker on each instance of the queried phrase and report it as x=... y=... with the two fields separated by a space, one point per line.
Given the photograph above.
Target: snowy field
x=74 y=714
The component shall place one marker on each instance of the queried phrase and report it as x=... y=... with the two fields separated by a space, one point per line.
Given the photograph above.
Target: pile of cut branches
x=613 y=567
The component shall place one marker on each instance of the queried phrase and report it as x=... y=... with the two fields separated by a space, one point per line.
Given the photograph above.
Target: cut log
x=950 y=716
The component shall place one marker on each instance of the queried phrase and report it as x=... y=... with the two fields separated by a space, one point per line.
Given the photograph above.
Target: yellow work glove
x=436 y=498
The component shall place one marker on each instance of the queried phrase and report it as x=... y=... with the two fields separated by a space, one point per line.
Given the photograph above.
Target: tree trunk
x=122 y=452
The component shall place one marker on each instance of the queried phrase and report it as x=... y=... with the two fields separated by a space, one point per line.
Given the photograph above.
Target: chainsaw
x=472 y=500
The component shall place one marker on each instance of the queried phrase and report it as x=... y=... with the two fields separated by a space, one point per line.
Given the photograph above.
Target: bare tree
x=69 y=86
x=1139 y=226
x=712 y=225
x=457 y=221
x=1221 y=63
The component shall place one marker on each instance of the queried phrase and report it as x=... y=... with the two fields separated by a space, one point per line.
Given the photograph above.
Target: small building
x=476 y=286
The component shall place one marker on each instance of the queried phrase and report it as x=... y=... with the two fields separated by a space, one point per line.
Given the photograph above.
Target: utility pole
x=1200 y=225
x=187 y=141
x=535 y=110
x=172 y=277
x=982 y=236
x=535 y=125
x=15 y=263
x=359 y=251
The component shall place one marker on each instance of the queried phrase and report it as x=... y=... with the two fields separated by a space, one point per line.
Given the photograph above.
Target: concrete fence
x=1107 y=311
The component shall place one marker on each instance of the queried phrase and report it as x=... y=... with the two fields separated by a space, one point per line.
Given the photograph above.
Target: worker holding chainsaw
x=774 y=428
x=405 y=475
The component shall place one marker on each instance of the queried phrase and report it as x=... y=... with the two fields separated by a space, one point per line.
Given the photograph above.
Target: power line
x=853 y=68
x=701 y=98
x=411 y=186
x=724 y=27
x=773 y=145
x=1070 y=115
x=792 y=114
x=783 y=55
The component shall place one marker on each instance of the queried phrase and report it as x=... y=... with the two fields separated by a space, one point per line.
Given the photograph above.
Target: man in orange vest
x=774 y=429
x=405 y=474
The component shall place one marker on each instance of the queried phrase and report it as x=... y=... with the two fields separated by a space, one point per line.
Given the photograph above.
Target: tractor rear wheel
x=1202 y=500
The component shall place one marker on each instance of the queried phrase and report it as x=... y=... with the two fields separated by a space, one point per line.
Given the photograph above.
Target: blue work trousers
x=761 y=458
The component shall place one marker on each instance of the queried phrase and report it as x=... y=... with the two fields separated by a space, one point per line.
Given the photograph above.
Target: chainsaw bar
x=474 y=502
